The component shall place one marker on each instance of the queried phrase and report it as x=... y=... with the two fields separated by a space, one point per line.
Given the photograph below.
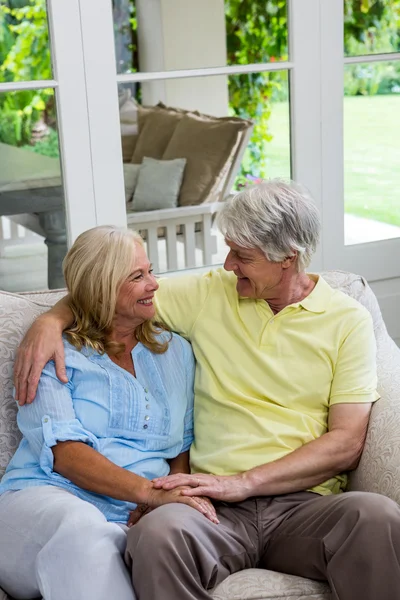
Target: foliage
x=256 y=33
x=372 y=27
x=25 y=56
x=48 y=146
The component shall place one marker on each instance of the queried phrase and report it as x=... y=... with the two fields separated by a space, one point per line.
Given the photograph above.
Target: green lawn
x=371 y=154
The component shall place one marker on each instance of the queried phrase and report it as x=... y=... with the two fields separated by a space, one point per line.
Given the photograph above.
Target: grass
x=371 y=154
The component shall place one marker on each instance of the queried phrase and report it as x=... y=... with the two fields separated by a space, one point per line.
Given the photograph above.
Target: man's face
x=257 y=276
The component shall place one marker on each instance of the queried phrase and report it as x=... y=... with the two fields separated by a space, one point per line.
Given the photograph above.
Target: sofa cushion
x=208 y=145
x=259 y=584
x=129 y=137
x=158 y=184
x=156 y=127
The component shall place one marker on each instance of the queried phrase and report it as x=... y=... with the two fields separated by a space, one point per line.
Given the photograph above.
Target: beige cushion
x=258 y=584
x=128 y=143
x=156 y=126
x=131 y=175
x=208 y=145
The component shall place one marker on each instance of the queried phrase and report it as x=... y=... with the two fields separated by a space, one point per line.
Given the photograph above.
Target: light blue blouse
x=137 y=423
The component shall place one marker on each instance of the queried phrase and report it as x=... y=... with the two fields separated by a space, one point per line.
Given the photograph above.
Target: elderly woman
x=285 y=381
x=90 y=446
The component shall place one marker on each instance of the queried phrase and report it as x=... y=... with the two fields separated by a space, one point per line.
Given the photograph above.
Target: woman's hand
x=160 y=497
x=230 y=488
x=42 y=342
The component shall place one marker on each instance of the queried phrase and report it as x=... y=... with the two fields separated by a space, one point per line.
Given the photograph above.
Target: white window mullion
x=370 y=58
x=102 y=102
x=205 y=72
x=305 y=100
x=17 y=86
x=331 y=51
x=72 y=116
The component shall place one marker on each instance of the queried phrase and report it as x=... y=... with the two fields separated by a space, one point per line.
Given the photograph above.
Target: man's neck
x=291 y=291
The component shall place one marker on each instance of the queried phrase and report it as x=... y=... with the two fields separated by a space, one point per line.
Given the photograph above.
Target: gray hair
x=276 y=216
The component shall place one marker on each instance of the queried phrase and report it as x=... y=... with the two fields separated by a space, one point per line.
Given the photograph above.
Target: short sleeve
x=179 y=301
x=188 y=435
x=51 y=418
x=355 y=377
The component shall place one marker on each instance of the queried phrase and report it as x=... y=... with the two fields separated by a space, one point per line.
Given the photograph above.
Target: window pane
x=371 y=27
x=168 y=35
x=372 y=152
x=24 y=41
x=229 y=138
x=31 y=193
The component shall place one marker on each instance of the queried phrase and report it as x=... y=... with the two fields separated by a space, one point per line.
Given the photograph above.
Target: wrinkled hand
x=226 y=488
x=160 y=497
x=140 y=511
x=43 y=342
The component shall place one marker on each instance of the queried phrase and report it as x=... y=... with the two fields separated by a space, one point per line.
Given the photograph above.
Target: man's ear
x=289 y=260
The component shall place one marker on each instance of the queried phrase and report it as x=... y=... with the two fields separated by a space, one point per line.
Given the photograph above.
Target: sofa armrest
x=379 y=468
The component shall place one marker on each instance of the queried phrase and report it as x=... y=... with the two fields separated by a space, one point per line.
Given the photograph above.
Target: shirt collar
x=317 y=301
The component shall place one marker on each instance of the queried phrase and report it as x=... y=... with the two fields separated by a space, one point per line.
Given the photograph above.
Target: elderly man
x=285 y=380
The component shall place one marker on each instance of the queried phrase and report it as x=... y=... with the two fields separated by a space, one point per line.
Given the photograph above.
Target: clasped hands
x=194 y=490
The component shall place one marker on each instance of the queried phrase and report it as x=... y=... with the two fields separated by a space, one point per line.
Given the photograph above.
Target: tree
x=256 y=32
x=25 y=55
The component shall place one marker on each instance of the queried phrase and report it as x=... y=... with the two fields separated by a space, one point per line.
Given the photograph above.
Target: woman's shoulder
x=75 y=356
x=177 y=345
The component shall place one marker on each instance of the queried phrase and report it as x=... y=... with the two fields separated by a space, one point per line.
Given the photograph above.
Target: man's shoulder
x=197 y=286
x=341 y=304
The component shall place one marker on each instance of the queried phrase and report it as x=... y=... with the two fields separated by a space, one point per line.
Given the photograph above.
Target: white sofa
x=378 y=471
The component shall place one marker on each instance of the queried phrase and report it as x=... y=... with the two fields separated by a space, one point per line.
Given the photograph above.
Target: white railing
x=177 y=237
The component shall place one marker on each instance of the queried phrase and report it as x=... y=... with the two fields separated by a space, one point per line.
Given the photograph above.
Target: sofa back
x=379 y=468
x=17 y=313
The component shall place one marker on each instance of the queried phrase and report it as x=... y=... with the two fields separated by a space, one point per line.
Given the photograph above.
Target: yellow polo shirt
x=264 y=383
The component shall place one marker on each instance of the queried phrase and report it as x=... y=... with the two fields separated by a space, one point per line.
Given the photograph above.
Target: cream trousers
x=54 y=545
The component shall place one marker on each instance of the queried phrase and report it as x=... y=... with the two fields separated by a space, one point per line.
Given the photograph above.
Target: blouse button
x=145 y=426
x=147 y=418
x=145 y=390
x=147 y=405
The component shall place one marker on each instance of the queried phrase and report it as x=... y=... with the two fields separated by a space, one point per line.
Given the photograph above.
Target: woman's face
x=135 y=298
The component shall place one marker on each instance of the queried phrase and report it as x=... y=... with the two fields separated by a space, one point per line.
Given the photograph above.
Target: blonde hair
x=95 y=267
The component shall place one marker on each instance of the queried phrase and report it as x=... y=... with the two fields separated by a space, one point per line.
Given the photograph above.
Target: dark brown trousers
x=351 y=540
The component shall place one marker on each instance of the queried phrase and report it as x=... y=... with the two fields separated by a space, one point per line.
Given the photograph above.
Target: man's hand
x=226 y=488
x=159 y=497
x=204 y=505
x=43 y=342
